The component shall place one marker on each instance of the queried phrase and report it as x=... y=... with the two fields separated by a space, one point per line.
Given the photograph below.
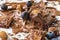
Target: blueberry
x=25 y=15
x=4 y=7
x=50 y=35
x=29 y=4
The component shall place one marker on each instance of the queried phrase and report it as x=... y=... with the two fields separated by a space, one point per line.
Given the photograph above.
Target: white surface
x=1 y=2
x=6 y=30
x=58 y=7
x=58 y=17
x=37 y=1
x=51 y=4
